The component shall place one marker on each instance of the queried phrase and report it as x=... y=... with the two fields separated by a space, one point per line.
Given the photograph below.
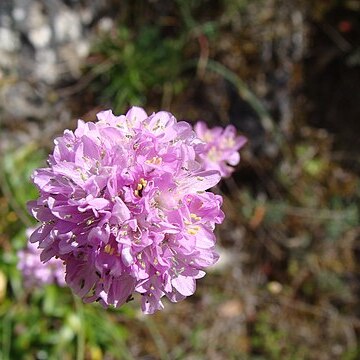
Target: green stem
x=6 y=338
x=245 y=93
x=158 y=339
x=80 y=350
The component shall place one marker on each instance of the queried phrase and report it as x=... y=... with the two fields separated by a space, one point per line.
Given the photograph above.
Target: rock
x=20 y=100
x=9 y=40
x=40 y=37
x=43 y=45
x=46 y=67
x=67 y=26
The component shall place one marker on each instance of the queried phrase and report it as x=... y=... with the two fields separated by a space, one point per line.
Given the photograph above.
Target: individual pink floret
x=123 y=203
x=221 y=151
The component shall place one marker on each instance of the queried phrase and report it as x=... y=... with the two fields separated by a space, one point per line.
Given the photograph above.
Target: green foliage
x=133 y=64
x=16 y=168
x=272 y=342
x=351 y=354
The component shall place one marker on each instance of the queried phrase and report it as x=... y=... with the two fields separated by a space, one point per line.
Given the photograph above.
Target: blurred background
x=287 y=75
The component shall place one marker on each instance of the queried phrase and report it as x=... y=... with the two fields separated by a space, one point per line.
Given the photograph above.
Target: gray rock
x=9 y=40
x=67 y=26
x=21 y=100
x=42 y=43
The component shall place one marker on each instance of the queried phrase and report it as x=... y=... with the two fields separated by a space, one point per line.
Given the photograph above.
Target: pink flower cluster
x=222 y=147
x=34 y=272
x=123 y=203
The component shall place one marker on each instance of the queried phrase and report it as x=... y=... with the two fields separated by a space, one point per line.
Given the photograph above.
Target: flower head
x=221 y=151
x=123 y=203
x=36 y=273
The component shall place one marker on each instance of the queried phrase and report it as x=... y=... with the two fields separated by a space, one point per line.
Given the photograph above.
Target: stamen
x=195 y=217
x=194 y=230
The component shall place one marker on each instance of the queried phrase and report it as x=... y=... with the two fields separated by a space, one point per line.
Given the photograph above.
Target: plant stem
x=80 y=350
